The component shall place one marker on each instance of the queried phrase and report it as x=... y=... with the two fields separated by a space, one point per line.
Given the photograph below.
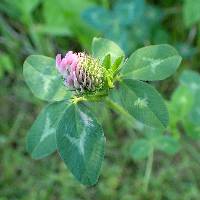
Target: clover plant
x=132 y=20
x=72 y=83
x=184 y=106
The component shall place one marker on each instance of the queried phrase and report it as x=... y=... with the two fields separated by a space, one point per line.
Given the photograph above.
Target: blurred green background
x=139 y=164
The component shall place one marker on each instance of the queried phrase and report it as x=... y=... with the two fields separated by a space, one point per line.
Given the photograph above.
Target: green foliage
x=191 y=80
x=140 y=149
x=167 y=144
x=102 y=47
x=60 y=26
x=180 y=104
x=68 y=21
x=80 y=142
x=186 y=50
x=142 y=102
x=6 y=65
x=152 y=63
x=41 y=76
x=20 y=9
x=79 y=137
x=130 y=20
x=191 y=12
x=184 y=105
x=154 y=141
x=191 y=129
x=194 y=115
x=47 y=27
x=41 y=139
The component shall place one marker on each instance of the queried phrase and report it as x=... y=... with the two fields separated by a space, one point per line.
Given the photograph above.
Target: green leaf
x=60 y=26
x=117 y=65
x=102 y=47
x=80 y=142
x=68 y=21
x=191 y=14
x=28 y=6
x=141 y=101
x=192 y=130
x=129 y=11
x=190 y=79
x=158 y=141
x=42 y=77
x=152 y=63
x=140 y=149
x=21 y=10
x=107 y=61
x=167 y=144
x=41 y=139
x=181 y=102
x=23 y=5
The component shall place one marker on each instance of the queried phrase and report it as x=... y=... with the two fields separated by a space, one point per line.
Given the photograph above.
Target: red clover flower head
x=81 y=72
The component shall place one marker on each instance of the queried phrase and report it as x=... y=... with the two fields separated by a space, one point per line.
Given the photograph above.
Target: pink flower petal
x=58 y=60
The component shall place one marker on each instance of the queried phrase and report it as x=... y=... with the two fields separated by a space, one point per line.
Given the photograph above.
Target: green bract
x=66 y=124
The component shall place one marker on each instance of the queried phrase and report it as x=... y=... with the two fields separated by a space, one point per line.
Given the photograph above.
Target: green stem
x=118 y=108
x=18 y=122
x=95 y=98
x=148 y=170
x=75 y=100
